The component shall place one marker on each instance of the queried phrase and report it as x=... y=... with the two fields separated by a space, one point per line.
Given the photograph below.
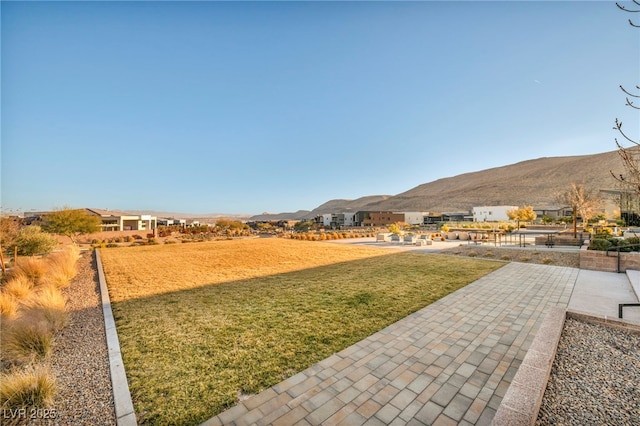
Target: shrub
x=152 y=240
x=547 y=260
x=8 y=306
x=19 y=286
x=47 y=306
x=31 y=240
x=34 y=269
x=170 y=241
x=128 y=238
x=61 y=266
x=633 y=240
x=137 y=237
x=31 y=388
x=604 y=232
x=23 y=340
x=624 y=246
x=600 y=244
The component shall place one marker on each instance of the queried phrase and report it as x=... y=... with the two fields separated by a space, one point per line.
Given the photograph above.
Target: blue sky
x=247 y=107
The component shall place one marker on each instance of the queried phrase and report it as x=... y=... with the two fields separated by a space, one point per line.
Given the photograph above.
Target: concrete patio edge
x=523 y=398
x=125 y=414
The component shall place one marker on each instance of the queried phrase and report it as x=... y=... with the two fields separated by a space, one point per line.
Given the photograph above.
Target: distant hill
x=332 y=206
x=300 y=214
x=339 y=206
x=532 y=182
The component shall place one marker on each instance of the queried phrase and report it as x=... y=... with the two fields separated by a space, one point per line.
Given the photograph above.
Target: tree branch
x=629 y=103
x=637 y=3
x=619 y=128
x=629 y=93
x=629 y=10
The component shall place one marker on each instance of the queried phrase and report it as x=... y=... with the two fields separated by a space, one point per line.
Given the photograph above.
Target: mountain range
x=533 y=182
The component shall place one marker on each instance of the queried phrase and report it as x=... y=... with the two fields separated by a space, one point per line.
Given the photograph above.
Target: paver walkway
x=449 y=363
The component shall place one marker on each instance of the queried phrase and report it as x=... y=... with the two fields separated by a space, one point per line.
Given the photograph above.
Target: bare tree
x=629 y=148
x=585 y=202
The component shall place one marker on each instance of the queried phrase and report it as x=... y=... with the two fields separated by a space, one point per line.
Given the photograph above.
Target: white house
x=414 y=218
x=347 y=219
x=117 y=221
x=492 y=213
x=338 y=220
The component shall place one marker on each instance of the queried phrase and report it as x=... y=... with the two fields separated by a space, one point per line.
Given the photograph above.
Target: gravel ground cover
x=595 y=377
x=80 y=360
x=542 y=255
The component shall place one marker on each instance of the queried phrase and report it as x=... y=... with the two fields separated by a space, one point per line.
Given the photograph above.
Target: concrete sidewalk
x=449 y=363
x=599 y=293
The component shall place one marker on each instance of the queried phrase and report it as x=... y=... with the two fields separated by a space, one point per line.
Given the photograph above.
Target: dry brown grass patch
x=33 y=268
x=61 y=266
x=152 y=270
x=47 y=304
x=33 y=387
x=19 y=286
x=8 y=306
x=25 y=340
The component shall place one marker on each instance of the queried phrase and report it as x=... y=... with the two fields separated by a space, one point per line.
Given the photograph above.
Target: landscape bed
x=202 y=325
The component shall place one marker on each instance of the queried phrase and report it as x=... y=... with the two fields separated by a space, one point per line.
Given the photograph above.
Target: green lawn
x=189 y=352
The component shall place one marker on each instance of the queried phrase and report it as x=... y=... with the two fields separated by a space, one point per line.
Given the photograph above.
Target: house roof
x=106 y=213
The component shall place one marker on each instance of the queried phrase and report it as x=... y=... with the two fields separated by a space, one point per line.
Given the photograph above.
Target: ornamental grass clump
x=33 y=268
x=61 y=267
x=47 y=305
x=29 y=388
x=28 y=331
x=20 y=286
x=8 y=306
x=24 y=341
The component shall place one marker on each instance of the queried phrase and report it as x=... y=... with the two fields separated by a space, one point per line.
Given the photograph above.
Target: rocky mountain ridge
x=532 y=182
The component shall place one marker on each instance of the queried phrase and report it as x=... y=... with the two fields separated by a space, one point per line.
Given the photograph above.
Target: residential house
x=554 y=212
x=433 y=218
x=118 y=221
x=492 y=213
x=382 y=218
x=338 y=220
